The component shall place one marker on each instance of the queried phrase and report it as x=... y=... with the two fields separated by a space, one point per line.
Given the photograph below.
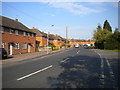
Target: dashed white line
x=110 y=69
x=65 y=60
x=34 y=73
x=102 y=71
x=78 y=52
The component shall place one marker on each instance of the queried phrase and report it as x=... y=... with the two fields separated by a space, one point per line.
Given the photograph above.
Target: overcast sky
x=81 y=18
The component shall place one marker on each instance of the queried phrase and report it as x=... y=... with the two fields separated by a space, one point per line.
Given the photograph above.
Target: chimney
x=16 y=20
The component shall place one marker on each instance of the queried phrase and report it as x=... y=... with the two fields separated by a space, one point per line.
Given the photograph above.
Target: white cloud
x=74 y=8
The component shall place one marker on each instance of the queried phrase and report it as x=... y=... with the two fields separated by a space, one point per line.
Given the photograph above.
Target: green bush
x=63 y=45
x=41 y=46
x=68 y=46
x=51 y=45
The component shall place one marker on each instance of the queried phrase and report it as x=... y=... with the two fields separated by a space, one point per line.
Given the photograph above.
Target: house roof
x=44 y=34
x=55 y=37
x=61 y=38
x=14 y=24
x=38 y=33
x=52 y=37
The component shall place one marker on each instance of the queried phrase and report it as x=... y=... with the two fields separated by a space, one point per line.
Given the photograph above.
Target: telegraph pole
x=66 y=35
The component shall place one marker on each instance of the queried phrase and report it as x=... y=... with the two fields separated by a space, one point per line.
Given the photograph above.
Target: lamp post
x=48 y=40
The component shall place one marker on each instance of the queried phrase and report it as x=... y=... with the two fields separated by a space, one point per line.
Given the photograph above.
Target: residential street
x=72 y=68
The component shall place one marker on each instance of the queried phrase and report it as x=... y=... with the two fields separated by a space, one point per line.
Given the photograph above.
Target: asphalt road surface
x=72 y=68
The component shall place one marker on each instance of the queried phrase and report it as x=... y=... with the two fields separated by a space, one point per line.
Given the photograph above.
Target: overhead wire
x=28 y=15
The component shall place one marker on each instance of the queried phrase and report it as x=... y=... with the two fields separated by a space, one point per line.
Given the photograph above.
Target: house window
x=3 y=44
x=32 y=45
x=16 y=32
x=24 y=33
x=16 y=46
x=32 y=35
x=24 y=46
x=11 y=31
x=28 y=34
x=1 y=29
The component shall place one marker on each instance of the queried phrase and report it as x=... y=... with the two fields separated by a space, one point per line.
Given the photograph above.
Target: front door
x=10 y=47
x=28 y=48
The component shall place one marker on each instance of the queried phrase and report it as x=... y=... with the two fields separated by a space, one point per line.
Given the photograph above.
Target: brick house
x=56 y=40
x=41 y=37
x=61 y=41
x=53 y=40
x=16 y=37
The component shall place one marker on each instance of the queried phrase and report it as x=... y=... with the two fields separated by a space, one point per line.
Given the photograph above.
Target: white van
x=76 y=45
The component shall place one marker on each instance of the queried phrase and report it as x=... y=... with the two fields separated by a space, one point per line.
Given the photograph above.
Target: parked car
x=86 y=46
x=76 y=45
x=3 y=53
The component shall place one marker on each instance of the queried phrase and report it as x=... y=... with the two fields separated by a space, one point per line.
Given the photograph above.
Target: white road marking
x=78 y=52
x=34 y=73
x=102 y=70
x=65 y=60
x=110 y=69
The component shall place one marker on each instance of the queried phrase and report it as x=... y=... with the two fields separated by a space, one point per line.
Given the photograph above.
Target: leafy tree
x=116 y=31
x=99 y=27
x=113 y=42
x=105 y=39
x=100 y=36
x=107 y=26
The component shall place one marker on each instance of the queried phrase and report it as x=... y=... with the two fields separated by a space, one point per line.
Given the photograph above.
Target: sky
x=80 y=18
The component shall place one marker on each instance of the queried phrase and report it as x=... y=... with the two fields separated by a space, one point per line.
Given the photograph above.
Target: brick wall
x=12 y=38
x=43 y=41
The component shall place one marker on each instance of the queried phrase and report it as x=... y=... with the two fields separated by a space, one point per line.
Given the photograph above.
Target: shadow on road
x=79 y=72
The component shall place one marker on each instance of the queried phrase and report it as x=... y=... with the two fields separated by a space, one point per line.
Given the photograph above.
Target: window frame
x=28 y=34
x=17 y=46
x=23 y=46
x=3 y=44
x=24 y=34
x=16 y=32
x=2 y=29
x=32 y=35
x=11 y=31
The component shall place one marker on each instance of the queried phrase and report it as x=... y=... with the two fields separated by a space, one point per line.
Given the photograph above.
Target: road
x=72 y=68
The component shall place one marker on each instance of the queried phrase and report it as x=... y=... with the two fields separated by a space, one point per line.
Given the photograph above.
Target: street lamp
x=48 y=40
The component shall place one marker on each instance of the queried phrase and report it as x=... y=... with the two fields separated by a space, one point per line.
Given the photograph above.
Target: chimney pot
x=16 y=20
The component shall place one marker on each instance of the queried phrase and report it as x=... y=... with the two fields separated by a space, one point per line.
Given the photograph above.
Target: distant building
x=56 y=40
x=16 y=37
x=81 y=42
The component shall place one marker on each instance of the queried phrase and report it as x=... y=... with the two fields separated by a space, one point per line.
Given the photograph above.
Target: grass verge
x=113 y=50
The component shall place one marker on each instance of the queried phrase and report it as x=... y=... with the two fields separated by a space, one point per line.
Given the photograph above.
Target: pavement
x=26 y=56
x=72 y=68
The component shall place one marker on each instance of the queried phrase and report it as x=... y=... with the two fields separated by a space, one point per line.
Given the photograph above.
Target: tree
x=113 y=42
x=100 y=36
x=107 y=26
x=105 y=39
x=116 y=31
x=99 y=27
